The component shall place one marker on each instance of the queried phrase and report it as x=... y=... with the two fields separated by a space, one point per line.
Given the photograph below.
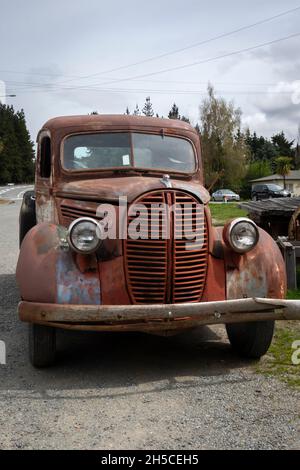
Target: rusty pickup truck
x=118 y=236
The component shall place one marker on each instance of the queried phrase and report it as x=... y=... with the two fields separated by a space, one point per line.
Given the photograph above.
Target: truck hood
x=110 y=189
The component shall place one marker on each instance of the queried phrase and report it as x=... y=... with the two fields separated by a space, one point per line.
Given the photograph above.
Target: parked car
x=103 y=246
x=267 y=191
x=225 y=195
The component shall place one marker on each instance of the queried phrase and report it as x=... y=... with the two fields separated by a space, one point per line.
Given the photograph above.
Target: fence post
x=2 y=353
x=290 y=264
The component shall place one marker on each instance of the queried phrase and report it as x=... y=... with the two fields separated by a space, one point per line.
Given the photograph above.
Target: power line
x=17 y=84
x=159 y=91
x=150 y=59
x=179 y=67
x=191 y=46
x=205 y=61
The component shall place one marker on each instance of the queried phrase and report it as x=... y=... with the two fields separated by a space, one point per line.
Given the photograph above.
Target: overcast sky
x=60 y=57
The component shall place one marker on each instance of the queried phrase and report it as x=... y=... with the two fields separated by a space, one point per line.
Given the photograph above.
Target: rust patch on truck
x=261 y=272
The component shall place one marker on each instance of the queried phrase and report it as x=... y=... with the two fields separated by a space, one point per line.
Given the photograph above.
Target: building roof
x=293 y=175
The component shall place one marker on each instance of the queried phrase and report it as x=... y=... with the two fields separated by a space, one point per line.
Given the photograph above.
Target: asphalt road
x=13 y=193
x=133 y=391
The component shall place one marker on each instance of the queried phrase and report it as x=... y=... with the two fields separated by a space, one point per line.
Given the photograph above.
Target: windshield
x=275 y=187
x=125 y=150
x=226 y=191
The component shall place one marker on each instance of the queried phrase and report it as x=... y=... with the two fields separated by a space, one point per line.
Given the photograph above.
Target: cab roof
x=99 y=121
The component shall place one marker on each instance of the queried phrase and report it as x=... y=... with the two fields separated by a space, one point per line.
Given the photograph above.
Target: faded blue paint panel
x=241 y=284
x=74 y=287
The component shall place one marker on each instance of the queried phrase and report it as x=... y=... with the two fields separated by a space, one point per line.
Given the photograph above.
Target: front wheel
x=251 y=340
x=42 y=345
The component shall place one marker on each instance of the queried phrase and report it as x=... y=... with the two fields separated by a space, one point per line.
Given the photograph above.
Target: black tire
x=251 y=340
x=42 y=345
x=27 y=218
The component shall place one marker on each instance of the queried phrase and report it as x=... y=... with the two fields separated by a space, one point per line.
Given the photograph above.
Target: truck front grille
x=163 y=270
x=71 y=209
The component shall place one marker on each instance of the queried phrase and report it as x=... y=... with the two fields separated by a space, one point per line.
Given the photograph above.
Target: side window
x=45 y=157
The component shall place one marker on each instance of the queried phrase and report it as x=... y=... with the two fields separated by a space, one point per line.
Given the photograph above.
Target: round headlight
x=84 y=235
x=242 y=235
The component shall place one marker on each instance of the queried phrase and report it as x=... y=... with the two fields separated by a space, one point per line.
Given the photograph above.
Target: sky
x=64 y=57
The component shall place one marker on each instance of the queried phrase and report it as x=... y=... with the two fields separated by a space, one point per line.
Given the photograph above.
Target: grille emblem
x=166 y=180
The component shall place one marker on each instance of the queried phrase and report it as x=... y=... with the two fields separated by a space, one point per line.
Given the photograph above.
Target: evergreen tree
x=174 y=112
x=127 y=112
x=137 y=111
x=260 y=148
x=282 y=145
x=16 y=149
x=185 y=119
x=148 y=109
x=197 y=127
x=297 y=151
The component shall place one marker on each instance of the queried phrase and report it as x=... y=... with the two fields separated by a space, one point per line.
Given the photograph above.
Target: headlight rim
x=228 y=233
x=71 y=227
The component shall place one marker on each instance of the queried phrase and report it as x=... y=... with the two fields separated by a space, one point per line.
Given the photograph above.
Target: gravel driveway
x=133 y=391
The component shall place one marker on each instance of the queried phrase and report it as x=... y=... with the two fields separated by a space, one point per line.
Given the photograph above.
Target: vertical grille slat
x=182 y=272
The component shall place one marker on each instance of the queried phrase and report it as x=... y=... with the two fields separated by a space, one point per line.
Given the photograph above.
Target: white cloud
x=53 y=39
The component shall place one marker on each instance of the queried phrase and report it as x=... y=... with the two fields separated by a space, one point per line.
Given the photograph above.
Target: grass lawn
x=221 y=212
x=278 y=361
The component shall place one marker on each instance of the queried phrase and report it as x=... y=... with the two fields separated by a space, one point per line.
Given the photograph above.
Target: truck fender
x=258 y=273
x=49 y=271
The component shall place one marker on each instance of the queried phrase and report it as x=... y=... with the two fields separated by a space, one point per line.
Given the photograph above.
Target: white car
x=225 y=195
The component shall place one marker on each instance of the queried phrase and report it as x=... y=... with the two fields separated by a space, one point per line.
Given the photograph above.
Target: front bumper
x=158 y=317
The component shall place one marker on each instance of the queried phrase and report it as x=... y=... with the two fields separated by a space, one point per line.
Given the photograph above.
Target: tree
x=197 y=127
x=223 y=146
x=297 y=151
x=147 y=109
x=94 y=113
x=260 y=148
x=16 y=152
x=127 y=112
x=282 y=145
x=185 y=119
x=137 y=111
x=174 y=112
x=283 y=167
